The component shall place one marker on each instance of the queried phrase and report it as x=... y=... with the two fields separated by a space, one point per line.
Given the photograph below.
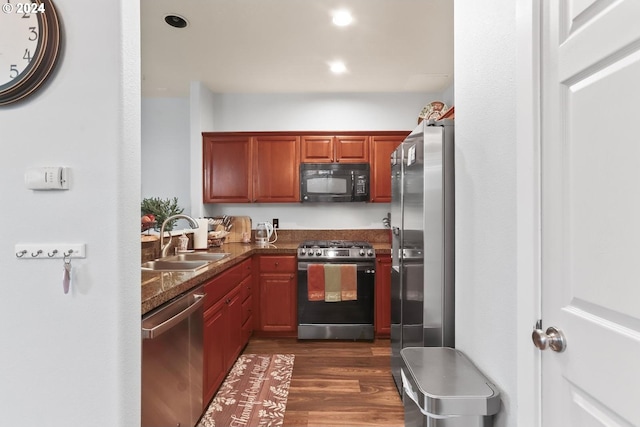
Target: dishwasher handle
x=151 y=333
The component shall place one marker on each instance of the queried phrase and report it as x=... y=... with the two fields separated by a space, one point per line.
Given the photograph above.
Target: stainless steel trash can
x=442 y=388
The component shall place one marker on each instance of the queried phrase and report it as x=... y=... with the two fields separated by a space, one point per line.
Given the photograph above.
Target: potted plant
x=161 y=209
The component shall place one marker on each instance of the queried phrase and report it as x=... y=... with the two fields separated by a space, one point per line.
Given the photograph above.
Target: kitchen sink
x=174 y=265
x=199 y=256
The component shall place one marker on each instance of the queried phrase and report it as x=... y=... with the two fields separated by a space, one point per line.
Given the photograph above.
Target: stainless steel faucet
x=165 y=247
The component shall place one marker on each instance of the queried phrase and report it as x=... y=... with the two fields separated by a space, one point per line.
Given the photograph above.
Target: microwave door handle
x=353 y=185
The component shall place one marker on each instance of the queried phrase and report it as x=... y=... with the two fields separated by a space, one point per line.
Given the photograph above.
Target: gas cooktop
x=335 y=249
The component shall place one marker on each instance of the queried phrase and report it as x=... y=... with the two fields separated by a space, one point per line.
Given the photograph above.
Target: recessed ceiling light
x=338 y=67
x=342 y=18
x=176 y=21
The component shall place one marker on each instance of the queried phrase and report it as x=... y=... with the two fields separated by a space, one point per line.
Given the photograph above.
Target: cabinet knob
x=276 y=263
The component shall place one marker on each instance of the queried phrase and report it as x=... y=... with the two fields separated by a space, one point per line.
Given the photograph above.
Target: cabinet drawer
x=247 y=309
x=245 y=268
x=277 y=264
x=246 y=288
x=217 y=287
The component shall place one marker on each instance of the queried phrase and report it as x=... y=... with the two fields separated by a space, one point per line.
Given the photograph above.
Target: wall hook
x=21 y=253
x=68 y=254
x=35 y=254
x=52 y=254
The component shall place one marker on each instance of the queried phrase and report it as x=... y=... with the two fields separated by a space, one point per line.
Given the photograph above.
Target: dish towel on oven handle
x=332 y=282
x=315 y=282
x=349 y=282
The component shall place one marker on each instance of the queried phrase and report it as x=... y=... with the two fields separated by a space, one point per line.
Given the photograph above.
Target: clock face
x=29 y=46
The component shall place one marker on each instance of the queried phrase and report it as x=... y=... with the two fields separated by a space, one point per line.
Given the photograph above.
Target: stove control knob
x=318 y=252
x=370 y=252
x=302 y=252
x=361 y=252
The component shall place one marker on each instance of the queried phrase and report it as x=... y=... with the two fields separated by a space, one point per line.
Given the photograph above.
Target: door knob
x=553 y=338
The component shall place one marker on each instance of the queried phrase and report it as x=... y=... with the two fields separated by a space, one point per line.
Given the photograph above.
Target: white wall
x=485 y=95
x=165 y=147
x=282 y=112
x=74 y=359
x=319 y=111
x=202 y=116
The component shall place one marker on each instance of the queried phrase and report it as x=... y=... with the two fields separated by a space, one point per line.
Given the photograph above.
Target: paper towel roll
x=200 y=234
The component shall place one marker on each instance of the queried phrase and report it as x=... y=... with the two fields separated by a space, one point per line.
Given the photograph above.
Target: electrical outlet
x=276 y=223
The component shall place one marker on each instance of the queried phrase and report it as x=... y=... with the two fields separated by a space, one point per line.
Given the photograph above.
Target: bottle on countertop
x=183 y=243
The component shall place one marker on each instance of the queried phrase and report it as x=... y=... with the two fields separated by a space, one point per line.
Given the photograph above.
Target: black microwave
x=334 y=182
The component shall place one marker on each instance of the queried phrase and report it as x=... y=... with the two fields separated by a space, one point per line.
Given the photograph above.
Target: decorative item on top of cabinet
x=331 y=148
x=381 y=147
x=383 y=296
x=277 y=294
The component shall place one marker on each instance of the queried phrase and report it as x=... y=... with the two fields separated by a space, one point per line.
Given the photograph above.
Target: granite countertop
x=159 y=287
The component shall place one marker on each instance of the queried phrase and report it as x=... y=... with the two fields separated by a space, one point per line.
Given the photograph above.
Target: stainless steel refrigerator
x=422 y=223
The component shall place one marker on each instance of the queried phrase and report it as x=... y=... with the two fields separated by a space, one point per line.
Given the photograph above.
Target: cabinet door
x=316 y=149
x=276 y=175
x=215 y=337
x=383 y=296
x=234 y=346
x=278 y=302
x=352 y=149
x=381 y=148
x=226 y=169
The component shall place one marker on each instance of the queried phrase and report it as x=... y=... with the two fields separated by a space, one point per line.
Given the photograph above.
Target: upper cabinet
x=331 y=148
x=381 y=147
x=227 y=165
x=264 y=167
x=275 y=173
x=243 y=168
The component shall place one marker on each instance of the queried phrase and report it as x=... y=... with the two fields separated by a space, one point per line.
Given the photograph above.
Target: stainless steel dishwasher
x=172 y=362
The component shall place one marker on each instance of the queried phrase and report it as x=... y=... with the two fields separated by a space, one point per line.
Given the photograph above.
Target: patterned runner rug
x=254 y=394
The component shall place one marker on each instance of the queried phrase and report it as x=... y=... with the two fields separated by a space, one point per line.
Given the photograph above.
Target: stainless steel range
x=336 y=281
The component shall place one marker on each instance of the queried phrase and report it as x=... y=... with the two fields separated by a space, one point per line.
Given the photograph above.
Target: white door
x=591 y=211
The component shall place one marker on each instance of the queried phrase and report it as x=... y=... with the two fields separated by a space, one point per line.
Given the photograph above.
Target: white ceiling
x=271 y=46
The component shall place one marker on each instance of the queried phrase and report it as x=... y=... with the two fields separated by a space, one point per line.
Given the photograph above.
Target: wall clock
x=30 y=39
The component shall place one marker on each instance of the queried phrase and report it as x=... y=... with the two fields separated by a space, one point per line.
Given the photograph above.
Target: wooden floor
x=337 y=383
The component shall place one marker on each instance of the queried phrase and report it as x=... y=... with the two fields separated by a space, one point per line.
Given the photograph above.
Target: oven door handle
x=367 y=268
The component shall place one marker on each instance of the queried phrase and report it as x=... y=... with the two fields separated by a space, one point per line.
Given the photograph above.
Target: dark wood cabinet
x=244 y=168
x=234 y=344
x=264 y=167
x=316 y=149
x=247 y=308
x=214 y=343
x=225 y=333
x=227 y=165
x=331 y=148
x=276 y=177
x=381 y=147
x=352 y=149
x=383 y=296
x=278 y=293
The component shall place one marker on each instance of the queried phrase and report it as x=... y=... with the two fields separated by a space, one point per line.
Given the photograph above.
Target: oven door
x=338 y=320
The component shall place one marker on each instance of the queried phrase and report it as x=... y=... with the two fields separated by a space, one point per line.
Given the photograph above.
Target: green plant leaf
x=161 y=209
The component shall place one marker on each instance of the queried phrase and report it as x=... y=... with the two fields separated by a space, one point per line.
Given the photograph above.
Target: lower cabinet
x=383 y=296
x=225 y=330
x=278 y=293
